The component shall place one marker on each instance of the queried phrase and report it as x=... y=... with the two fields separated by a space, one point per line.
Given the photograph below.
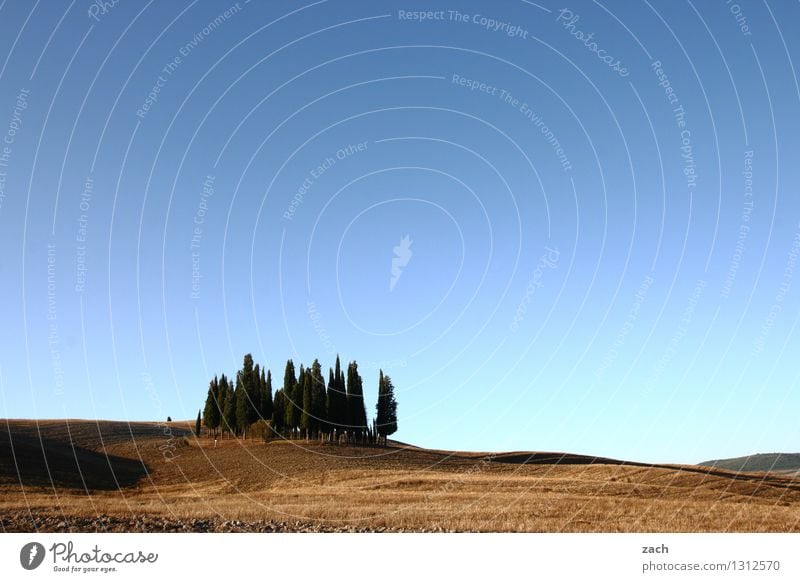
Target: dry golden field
x=80 y=475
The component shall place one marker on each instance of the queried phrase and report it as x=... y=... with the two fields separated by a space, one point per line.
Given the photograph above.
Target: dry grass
x=395 y=487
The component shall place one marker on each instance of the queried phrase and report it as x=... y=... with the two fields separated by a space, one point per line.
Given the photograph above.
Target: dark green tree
x=356 y=412
x=279 y=412
x=248 y=395
x=266 y=395
x=228 y=407
x=318 y=400
x=197 y=424
x=330 y=399
x=291 y=411
x=241 y=405
x=337 y=401
x=297 y=399
x=211 y=411
x=222 y=388
x=254 y=392
x=386 y=408
x=306 y=417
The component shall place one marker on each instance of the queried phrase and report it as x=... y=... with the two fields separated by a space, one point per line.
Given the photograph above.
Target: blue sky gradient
x=600 y=197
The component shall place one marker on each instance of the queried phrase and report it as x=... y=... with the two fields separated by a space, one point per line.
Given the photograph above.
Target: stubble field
x=77 y=475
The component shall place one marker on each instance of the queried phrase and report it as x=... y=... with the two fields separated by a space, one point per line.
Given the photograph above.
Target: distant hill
x=772 y=462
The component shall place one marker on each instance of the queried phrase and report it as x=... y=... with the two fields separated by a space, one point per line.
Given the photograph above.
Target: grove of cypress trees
x=304 y=403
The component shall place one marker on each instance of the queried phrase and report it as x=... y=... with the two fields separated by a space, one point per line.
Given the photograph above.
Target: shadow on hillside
x=555 y=459
x=573 y=459
x=34 y=462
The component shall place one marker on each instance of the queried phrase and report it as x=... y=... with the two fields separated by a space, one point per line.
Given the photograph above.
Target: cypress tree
x=306 y=417
x=356 y=412
x=266 y=395
x=318 y=398
x=289 y=385
x=254 y=392
x=229 y=409
x=330 y=402
x=197 y=424
x=341 y=399
x=386 y=408
x=239 y=405
x=211 y=411
x=297 y=399
x=222 y=389
x=249 y=405
x=337 y=401
x=279 y=412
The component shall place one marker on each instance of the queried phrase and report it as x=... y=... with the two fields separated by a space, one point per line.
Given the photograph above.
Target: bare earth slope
x=112 y=476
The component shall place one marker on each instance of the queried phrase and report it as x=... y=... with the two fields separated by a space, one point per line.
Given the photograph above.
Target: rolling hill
x=765 y=462
x=79 y=475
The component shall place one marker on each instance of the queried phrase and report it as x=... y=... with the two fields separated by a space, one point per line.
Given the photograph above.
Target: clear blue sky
x=601 y=202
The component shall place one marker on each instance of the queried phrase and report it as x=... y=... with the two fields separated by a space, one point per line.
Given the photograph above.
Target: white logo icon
x=31 y=555
x=402 y=255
